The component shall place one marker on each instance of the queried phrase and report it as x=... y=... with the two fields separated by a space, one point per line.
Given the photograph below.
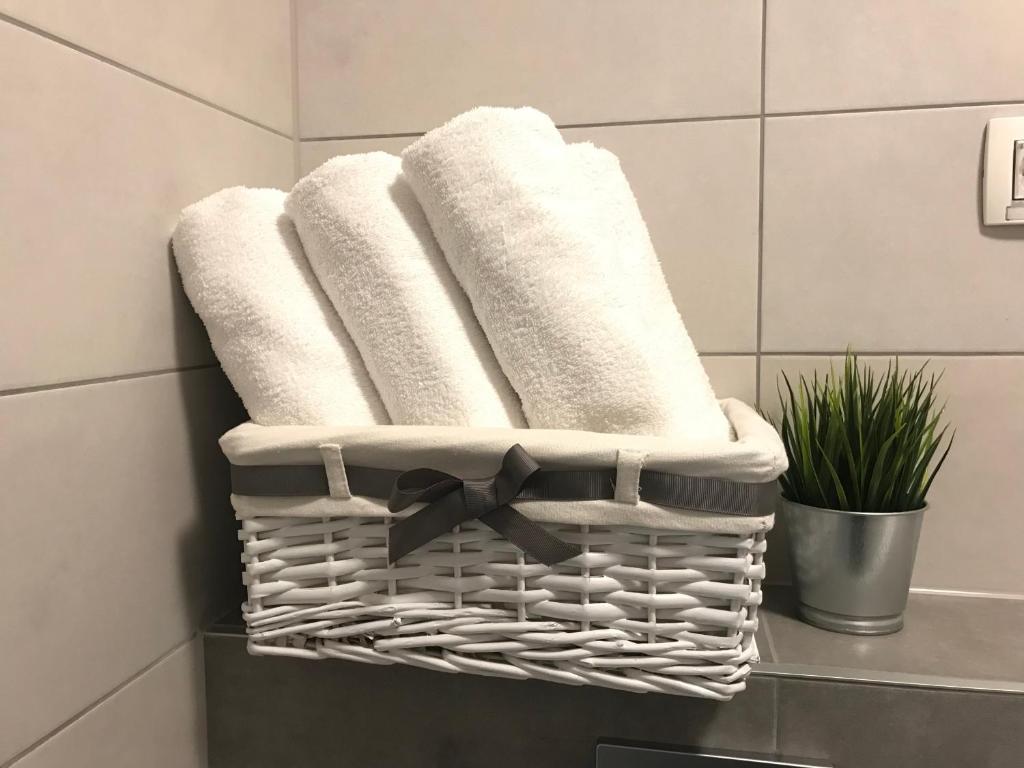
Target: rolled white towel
x=683 y=382
x=551 y=249
x=370 y=245
x=275 y=333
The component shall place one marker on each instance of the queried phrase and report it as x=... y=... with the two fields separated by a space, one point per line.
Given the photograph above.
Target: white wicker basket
x=660 y=599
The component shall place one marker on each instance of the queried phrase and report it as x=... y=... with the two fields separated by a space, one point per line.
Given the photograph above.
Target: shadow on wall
x=778 y=568
x=208 y=551
x=404 y=717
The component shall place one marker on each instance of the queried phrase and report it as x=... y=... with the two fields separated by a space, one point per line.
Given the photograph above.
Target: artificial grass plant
x=860 y=441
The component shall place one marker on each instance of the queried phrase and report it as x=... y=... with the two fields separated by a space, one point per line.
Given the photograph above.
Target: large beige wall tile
x=157 y=721
x=96 y=165
x=872 y=236
x=846 y=54
x=233 y=53
x=367 y=67
x=118 y=533
x=697 y=186
x=733 y=376
x=974 y=526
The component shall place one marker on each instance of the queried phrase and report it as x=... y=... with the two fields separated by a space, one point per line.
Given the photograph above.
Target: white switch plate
x=1018 y=170
x=1004 y=171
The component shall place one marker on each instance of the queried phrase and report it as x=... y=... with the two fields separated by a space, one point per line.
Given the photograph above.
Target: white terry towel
x=698 y=412
x=275 y=333
x=551 y=248
x=372 y=249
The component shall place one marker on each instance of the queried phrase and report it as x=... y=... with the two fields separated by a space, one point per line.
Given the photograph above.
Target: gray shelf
x=949 y=641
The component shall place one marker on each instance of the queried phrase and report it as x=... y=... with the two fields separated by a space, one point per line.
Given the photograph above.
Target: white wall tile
x=97 y=163
x=846 y=54
x=733 y=376
x=974 y=526
x=233 y=53
x=697 y=186
x=872 y=236
x=119 y=533
x=157 y=720
x=367 y=67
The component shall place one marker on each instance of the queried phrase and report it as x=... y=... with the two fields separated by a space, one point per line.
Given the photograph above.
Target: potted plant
x=863 y=451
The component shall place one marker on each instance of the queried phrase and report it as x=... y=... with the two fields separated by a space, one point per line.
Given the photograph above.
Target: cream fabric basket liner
x=755 y=456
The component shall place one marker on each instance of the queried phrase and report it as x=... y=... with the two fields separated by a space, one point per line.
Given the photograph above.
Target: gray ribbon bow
x=453 y=501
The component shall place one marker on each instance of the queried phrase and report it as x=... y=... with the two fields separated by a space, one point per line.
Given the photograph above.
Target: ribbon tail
x=529 y=536
x=425 y=525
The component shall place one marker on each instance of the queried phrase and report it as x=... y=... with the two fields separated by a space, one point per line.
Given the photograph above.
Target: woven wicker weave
x=640 y=610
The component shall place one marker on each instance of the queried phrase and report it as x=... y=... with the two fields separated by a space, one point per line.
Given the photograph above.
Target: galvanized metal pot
x=852 y=569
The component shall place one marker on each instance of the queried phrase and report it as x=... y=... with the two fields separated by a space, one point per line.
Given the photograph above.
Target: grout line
x=356 y=137
x=929 y=591
x=561 y=126
x=759 y=300
x=902 y=108
x=892 y=353
x=661 y=121
x=763 y=115
x=726 y=354
x=776 y=717
x=137 y=73
x=98 y=702
x=294 y=42
x=831 y=675
x=104 y=379
x=966 y=593
x=241 y=633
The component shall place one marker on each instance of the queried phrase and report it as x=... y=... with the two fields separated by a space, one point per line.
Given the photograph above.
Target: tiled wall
x=118 y=541
x=809 y=171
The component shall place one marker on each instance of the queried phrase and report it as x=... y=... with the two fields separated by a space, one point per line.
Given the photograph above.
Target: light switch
x=1004 y=172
